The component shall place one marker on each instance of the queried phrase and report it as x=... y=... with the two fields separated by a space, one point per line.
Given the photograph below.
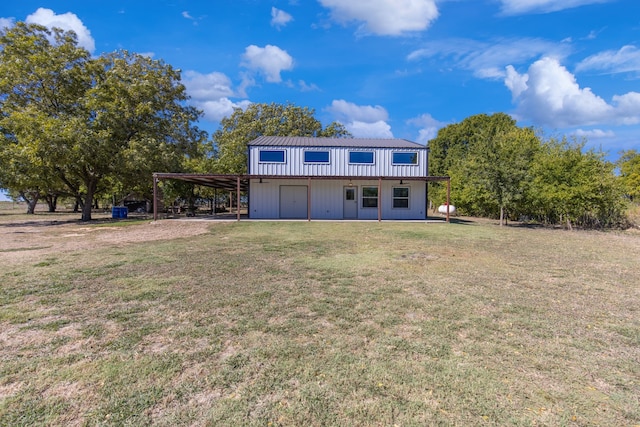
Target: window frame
x=261 y=160
x=411 y=153
x=364 y=197
x=395 y=198
x=352 y=162
x=316 y=162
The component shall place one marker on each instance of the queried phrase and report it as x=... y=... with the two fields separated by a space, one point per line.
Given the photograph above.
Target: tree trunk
x=88 y=200
x=52 y=201
x=31 y=202
x=501 y=216
x=78 y=204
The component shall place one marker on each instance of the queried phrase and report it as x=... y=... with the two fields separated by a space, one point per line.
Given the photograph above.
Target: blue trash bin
x=119 y=212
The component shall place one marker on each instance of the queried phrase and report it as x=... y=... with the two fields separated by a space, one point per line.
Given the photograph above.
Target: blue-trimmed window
x=272 y=156
x=405 y=158
x=361 y=157
x=316 y=157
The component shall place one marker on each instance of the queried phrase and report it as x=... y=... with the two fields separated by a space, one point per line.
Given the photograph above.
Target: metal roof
x=305 y=141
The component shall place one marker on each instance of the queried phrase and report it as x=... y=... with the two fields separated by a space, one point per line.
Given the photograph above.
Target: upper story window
x=272 y=156
x=316 y=157
x=405 y=158
x=361 y=157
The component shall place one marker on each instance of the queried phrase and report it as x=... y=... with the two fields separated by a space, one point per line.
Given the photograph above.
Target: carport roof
x=224 y=182
x=230 y=182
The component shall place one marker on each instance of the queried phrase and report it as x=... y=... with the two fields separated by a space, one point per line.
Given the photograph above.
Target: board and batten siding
x=338 y=165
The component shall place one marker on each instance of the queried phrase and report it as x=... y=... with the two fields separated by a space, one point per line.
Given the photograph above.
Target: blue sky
x=386 y=68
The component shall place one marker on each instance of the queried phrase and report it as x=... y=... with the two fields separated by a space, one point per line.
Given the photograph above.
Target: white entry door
x=293 y=201
x=350 y=203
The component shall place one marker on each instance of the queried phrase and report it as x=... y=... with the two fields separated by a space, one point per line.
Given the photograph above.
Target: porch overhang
x=240 y=183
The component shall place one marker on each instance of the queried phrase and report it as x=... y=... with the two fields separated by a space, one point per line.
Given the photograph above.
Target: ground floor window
x=369 y=197
x=401 y=197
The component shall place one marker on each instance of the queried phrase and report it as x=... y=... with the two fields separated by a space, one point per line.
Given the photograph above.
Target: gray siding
x=338 y=165
x=327 y=199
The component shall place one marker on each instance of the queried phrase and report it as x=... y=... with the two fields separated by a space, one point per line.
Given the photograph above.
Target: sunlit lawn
x=321 y=323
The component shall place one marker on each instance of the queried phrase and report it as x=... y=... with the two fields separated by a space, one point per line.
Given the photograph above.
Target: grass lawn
x=327 y=323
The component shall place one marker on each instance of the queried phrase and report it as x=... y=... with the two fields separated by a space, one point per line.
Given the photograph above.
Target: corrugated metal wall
x=294 y=164
x=327 y=199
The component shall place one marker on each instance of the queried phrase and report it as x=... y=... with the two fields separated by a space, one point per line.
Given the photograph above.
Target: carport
x=240 y=183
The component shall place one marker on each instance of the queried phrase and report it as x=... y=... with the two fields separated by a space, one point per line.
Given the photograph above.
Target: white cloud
x=519 y=7
x=269 y=61
x=280 y=18
x=364 y=121
x=627 y=108
x=207 y=86
x=351 y=112
x=306 y=87
x=487 y=60
x=517 y=83
x=6 y=23
x=187 y=15
x=428 y=127
x=384 y=17
x=379 y=129
x=210 y=93
x=624 y=60
x=218 y=109
x=550 y=95
x=594 y=133
x=66 y=21
x=248 y=80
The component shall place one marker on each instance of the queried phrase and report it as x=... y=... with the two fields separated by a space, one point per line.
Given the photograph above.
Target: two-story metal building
x=337 y=178
x=327 y=178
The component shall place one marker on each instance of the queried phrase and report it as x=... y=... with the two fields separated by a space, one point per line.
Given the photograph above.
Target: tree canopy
x=500 y=170
x=629 y=165
x=495 y=173
x=72 y=121
x=574 y=186
x=453 y=142
x=243 y=126
x=40 y=82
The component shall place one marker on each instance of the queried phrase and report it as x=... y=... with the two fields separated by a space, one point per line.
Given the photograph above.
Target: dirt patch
x=36 y=240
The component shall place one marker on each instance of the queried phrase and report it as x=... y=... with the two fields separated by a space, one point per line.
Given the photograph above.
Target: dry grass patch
x=259 y=323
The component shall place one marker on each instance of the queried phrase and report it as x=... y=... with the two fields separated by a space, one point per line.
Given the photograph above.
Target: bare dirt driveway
x=42 y=235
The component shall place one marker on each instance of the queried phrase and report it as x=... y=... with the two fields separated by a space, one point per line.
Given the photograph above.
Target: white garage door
x=293 y=201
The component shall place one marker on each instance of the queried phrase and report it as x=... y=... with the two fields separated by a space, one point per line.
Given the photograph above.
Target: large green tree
x=572 y=186
x=453 y=142
x=91 y=122
x=495 y=174
x=41 y=78
x=485 y=156
x=243 y=126
x=629 y=166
